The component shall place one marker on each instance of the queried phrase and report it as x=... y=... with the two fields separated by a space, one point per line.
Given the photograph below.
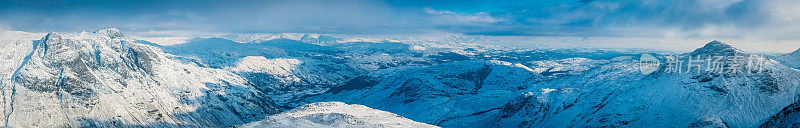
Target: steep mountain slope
x=791 y=59
x=789 y=117
x=287 y=79
x=103 y=79
x=335 y=114
x=617 y=95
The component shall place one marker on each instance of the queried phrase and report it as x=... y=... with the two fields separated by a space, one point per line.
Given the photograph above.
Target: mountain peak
x=52 y=36
x=716 y=48
x=790 y=59
x=796 y=52
x=110 y=32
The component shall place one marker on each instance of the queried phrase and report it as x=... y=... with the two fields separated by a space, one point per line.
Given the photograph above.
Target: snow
x=164 y=41
x=571 y=66
x=113 y=33
x=289 y=78
x=262 y=37
x=260 y=64
x=335 y=114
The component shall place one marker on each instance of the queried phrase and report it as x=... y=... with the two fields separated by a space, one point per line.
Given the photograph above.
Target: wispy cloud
x=444 y=17
x=683 y=18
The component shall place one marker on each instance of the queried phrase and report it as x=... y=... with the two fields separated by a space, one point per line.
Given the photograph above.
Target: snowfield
x=335 y=114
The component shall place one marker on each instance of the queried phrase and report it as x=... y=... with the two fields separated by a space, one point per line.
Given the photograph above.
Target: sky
x=751 y=23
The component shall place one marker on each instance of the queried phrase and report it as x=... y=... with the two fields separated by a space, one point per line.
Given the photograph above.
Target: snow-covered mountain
x=289 y=68
x=790 y=59
x=311 y=38
x=282 y=68
x=335 y=114
x=716 y=48
x=103 y=79
x=617 y=95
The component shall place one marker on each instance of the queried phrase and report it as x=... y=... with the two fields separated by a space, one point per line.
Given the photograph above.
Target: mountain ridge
x=790 y=59
x=716 y=48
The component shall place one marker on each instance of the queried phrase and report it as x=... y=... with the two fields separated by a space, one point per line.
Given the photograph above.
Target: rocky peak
x=52 y=36
x=51 y=40
x=717 y=48
x=110 y=32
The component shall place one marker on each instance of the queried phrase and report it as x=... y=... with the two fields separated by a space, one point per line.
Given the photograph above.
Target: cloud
x=776 y=19
x=443 y=17
x=228 y=16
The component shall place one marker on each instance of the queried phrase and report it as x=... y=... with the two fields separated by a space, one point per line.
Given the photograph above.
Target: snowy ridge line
x=14 y=76
x=60 y=95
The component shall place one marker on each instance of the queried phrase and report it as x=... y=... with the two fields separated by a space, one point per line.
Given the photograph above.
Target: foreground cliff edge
x=335 y=114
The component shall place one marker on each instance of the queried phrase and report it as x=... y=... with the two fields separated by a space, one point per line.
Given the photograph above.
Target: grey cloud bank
x=747 y=20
